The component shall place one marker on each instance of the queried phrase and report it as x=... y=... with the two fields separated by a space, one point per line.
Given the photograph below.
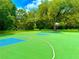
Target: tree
x=7 y=14
x=62 y=11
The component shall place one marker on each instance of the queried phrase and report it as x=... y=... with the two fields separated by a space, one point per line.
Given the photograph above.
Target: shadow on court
x=5 y=33
x=51 y=31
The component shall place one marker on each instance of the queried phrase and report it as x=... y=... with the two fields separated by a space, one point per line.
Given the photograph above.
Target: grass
x=66 y=45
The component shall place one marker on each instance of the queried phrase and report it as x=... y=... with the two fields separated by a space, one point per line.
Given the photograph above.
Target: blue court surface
x=9 y=41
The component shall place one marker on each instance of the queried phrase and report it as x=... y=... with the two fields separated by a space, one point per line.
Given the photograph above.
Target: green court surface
x=42 y=45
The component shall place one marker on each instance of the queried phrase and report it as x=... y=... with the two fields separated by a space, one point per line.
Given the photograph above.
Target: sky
x=27 y=4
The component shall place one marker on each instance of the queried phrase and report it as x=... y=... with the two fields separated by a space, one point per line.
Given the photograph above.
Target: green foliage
x=29 y=26
x=65 y=12
x=7 y=14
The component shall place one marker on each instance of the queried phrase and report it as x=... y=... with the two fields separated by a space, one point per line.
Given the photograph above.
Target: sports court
x=40 y=45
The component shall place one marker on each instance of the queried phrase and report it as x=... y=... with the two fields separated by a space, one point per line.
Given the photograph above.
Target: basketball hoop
x=56 y=25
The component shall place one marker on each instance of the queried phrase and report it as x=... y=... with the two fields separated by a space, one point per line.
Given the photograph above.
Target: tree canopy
x=7 y=14
x=65 y=12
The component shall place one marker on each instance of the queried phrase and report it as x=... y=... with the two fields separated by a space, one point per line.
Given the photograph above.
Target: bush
x=29 y=25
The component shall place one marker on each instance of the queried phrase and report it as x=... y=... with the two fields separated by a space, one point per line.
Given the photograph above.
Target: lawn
x=41 y=45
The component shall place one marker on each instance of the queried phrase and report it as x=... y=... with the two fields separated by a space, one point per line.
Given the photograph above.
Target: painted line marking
x=53 y=51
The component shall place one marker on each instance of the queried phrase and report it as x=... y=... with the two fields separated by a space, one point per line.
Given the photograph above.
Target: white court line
x=53 y=51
